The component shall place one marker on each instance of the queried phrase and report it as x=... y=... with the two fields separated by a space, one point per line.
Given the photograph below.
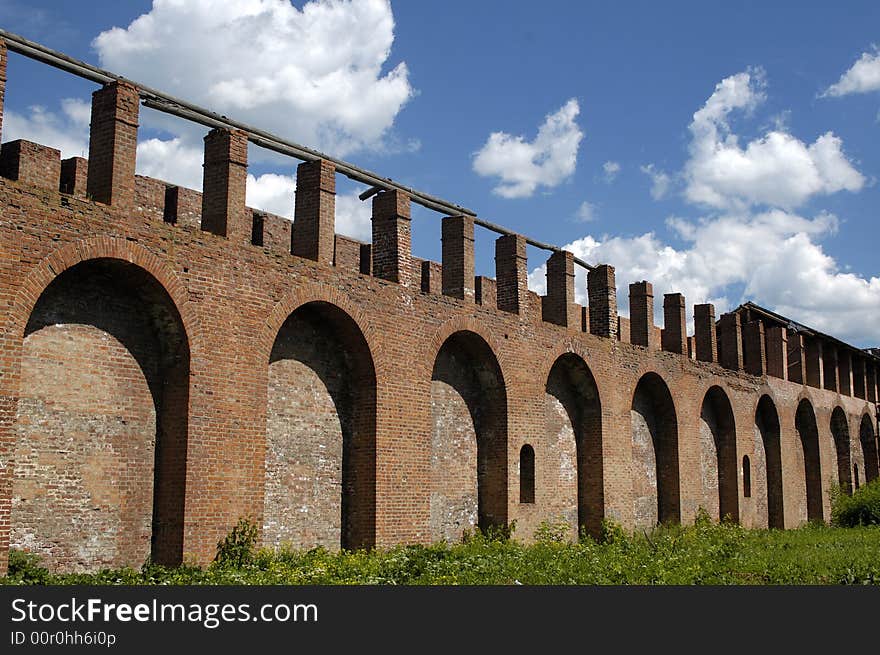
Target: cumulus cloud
x=751 y=244
x=862 y=77
x=770 y=257
x=611 y=170
x=776 y=169
x=523 y=166
x=177 y=162
x=316 y=75
x=67 y=131
x=660 y=181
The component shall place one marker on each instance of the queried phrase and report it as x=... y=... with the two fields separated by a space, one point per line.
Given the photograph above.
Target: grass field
x=701 y=554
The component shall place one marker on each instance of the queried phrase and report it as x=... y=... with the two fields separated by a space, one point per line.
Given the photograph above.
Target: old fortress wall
x=171 y=361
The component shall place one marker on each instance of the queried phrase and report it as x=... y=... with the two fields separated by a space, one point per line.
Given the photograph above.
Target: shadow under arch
x=840 y=434
x=656 y=485
x=808 y=435
x=573 y=419
x=868 y=441
x=102 y=422
x=768 y=438
x=469 y=438
x=718 y=456
x=320 y=432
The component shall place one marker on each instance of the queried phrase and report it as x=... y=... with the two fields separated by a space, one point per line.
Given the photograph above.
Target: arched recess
x=869 y=448
x=102 y=421
x=808 y=434
x=718 y=456
x=469 y=438
x=656 y=491
x=840 y=434
x=767 y=471
x=573 y=419
x=320 y=433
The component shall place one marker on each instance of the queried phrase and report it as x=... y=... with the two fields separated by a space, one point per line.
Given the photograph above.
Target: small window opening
x=856 y=475
x=257 y=230
x=747 y=477
x=527 y=474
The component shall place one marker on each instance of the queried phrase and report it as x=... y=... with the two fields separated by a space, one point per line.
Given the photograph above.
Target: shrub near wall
x=705 y=553
x=861 y=508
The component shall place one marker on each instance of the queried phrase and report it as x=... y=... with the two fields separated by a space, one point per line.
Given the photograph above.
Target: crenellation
x=224 y=185
x=113 y=145
x=674 y=335
x=558 y=305
x=641 y=313
x=31 y=163
x=706 y=341
x=486 y=292
x=314 y=219
x=457 y=274
x=602 y=299
x=512 y=273
x=74 y=176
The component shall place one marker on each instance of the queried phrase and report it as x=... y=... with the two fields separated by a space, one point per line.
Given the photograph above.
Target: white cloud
x=740 y=251
x=177 y=162
x=275 y=193
x=62 y=131
x=172 y=161
x=770 y=257
x=354 y=217
x=611 y=169
x=660 y=181
x=586 y=213
x=862 y=77
x=524 y=166
x=776 y=170
x=314 y=75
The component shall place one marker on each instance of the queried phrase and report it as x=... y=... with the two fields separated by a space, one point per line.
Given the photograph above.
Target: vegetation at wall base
x=704 y=553
x=860 y=508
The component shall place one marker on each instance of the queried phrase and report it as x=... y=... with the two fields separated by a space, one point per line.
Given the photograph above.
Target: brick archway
x=104 y=367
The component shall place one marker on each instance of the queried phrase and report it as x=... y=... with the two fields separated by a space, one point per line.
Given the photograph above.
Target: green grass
x=699 y=554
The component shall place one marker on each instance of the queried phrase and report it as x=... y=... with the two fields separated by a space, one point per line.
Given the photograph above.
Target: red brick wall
x=216 y=306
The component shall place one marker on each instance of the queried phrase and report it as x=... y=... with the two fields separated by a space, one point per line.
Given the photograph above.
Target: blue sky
x=727 y=152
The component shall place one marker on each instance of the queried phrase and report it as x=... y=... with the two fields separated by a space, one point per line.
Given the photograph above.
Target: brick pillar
x=3 y=54
x=641 y=313
x=224 y=186
x=602 y=293
x=797 y=358
x=813 y=355
x=829 y=368
x=392 y=239
x=704 y=333
x=314 y=215
x=512 y=273
x=113 y=145
x=754 y=348
x=458 y=257
x=559 y=307
x=777 y=352
x=674 y=324
x=730 y=335
x=844 y=370
x=74 y=176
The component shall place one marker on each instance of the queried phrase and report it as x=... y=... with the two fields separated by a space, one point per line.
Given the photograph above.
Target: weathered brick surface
x=30 y=163
x=159 y=381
